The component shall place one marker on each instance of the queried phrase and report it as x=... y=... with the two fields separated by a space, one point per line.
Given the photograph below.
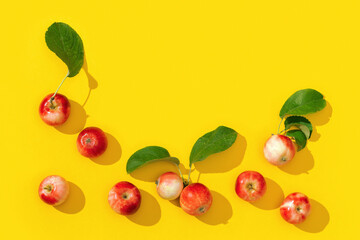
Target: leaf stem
x=53 y=96
x=278 y=131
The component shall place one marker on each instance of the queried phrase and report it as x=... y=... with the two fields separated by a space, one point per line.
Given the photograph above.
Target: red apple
x=195 y=199
x=169 y=186
x=279 y=149
x=250 y=186
x=54 y=112
x=295 y=208
x=54 y=190
x=124 y=198
x=92 y=142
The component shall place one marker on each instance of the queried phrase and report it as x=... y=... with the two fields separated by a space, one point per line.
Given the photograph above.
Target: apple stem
x=53 y=96
x=189 y=174
x=278 y=131
x=182 y=177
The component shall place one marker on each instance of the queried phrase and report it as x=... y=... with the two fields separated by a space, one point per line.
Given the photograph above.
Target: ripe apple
x=56 y=111
x=92 y=142
x=124 y=198
x=279 y=149
x=54 y=190
x=195 y=199
x=295 y=208
x=169 y=185
x=250 y=186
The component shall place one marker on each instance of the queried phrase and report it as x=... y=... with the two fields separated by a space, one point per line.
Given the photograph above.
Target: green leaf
x=300 y=122
x=299 y=137
x=212 y=142
x=147 y=155
x=303 y=102
x=67 y=45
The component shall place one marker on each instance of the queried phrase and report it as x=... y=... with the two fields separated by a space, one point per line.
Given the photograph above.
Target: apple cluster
x=194 y=198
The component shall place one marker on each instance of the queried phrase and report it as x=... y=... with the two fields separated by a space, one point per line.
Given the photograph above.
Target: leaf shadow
x=151 y=172
x=92 y=83
x=75 y=202
x=76 y=121
x=149 y=212
x=220 y=211
x=317 y=220
x=302 y=162
x=273 y=197
x=319 y=118
x=224 y=161
x=112 y=154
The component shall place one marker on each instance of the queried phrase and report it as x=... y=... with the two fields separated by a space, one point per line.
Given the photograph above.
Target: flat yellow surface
x=164 y=73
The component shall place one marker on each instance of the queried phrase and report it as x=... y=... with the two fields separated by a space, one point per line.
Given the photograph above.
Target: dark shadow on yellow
x=112 y=154
x=92 y=81
x=76 y=121
x=319 y=118
x=150 y=172
x=226 y=160
x=149 y=212
x=301 y=163
x=220 y=211
x=75 y=202
x=176 y=202
x=272 y=198
x=317 y=220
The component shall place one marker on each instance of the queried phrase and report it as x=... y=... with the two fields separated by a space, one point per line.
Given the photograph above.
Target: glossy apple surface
x=279 y=149
x=124 y=198
x=195 y=199
x=169 y=186
x=250 y=186
x=92 y=142
x=295 y=208
x=56 y=112
x=54 y=190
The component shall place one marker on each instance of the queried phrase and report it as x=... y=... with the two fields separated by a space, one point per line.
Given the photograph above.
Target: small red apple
x=279 y=149
x=295 y=208
x=124 y=198
x=92 y=142
x=169 y=186
x=54 y=112
x=250 y=186
x=54 y=190
x=195 y=199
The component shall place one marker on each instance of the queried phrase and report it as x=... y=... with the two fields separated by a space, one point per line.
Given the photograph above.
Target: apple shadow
x=319 y=118
x=317 y=220
x=302 y=162
x=149 y=212
x=272 y=198
x=91 y=80
x=112 y=154
x=75 y=202
x=175 y=202
x=76 y=121
x=220 y=211
x=150 y=172
x=224 y=161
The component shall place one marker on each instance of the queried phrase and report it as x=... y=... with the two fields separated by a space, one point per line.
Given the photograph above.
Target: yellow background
x=164 y=73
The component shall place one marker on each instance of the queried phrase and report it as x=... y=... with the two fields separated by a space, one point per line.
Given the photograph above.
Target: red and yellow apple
x=92 y=142
x=295 y=208
x=195 y=199
x=279 y=149
x=250 y=186
x=54 y=111
x=169 y=185
x=124 y=198
x=54 y=190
